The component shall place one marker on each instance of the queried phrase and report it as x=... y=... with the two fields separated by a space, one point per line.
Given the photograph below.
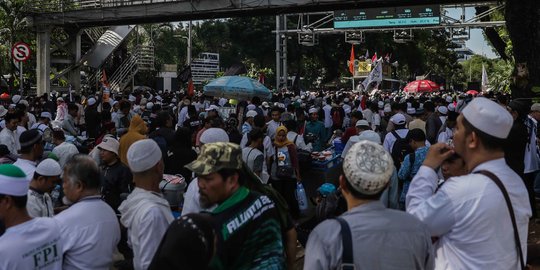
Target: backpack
x=400 y=149
x=331 y=206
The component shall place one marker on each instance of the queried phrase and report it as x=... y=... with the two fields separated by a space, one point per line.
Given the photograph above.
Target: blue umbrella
x=237 y=87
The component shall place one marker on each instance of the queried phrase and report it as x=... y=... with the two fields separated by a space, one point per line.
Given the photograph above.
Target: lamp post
x=188 y=39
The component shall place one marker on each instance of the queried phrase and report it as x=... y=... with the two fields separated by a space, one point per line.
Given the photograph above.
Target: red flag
x=103 y=80
x=351 y=60
x=374 y=58
x=191 y=88
x=261 y=77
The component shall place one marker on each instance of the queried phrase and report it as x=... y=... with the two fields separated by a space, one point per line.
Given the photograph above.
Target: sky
x=476 y=43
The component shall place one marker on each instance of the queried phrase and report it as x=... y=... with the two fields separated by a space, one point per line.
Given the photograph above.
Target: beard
x=204 y=201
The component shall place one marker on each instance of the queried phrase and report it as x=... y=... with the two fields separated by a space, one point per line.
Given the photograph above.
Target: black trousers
x=287 y=188
x=528 y=178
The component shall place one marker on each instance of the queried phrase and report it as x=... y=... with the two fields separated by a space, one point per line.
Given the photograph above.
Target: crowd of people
x=427 y=181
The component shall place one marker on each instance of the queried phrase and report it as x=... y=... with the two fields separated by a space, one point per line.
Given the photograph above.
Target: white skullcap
x=149 y=105
x=213 y=135
x=91 y=101
x=313 y=110
x=411 y=111
x=451 y=107
x=132 y=98
x=159 y=98
x=143 y=155
x=16 y=99
x=251 y=113
x=380 y=104
x=398 y=119
x=442 y=110
x=24 y=102
x=49 y=167
x=449 y=99
x=251 y=107
x=346 y=100
x=369 y=135
x=212 y=107
x=488 y=117
x=143 y=102
x=13 y=181
x=368 y=167
x=361 y=123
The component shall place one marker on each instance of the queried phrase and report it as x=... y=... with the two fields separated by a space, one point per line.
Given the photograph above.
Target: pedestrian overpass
x=78 y=17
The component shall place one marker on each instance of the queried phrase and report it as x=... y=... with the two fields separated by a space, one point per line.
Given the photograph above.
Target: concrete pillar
x=43 y=67
x=74 y=46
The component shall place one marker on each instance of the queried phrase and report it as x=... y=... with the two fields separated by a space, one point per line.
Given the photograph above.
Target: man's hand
x=437 y=154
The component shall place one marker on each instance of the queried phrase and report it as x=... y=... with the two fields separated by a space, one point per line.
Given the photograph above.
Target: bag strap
x=498 y=182
x=295 y=138
x=347 y=260
x=247 y=158
x=396 y=135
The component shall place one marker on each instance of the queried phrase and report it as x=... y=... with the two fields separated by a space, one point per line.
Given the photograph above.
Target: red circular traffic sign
x=20 y=51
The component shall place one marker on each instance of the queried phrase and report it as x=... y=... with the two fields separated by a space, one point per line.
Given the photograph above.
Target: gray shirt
x=253 y=158
x=382 y=239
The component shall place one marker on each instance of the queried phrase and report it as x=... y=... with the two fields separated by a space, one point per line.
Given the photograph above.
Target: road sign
x=388 y=17
x=20 y=51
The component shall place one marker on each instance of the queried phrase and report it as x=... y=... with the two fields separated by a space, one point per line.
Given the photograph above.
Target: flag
x=367 y=55
x=374 y=58
x=103 y=80
x=386 y=57
x=261 y=77
x=185 y=75
x=485 y=81
x=374 y=76
x=351 y=61
x=105 y=85
x=191 y=88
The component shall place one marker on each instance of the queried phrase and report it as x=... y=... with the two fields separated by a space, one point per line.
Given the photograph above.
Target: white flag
x=374 y=76
x=485 y=81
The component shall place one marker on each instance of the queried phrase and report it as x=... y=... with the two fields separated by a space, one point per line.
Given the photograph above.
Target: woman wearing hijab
x=284 y=170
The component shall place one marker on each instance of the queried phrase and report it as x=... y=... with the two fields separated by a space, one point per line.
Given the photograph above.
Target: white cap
x=13 y=180
x=213 y=135
x=46 y=115
x=368 y=167
x=91 y=101
x=380 y=104
x=251 y=107
x=411 y=111
x=488 y=117
x=251 y=113
x=442 y=110
x=212 y=107
x=60 y=99
x=143 y=155
x=398 y=119
x=369 y=135
x=451 y=107
x=313 y=110
x=361 y=122
x=159 y=98
x=132 y=98
x=449 y=99
x=24 y=102
x=265 y=104
x=49 y=167
x=149 y=105
x=109 y=144
x=16 y=99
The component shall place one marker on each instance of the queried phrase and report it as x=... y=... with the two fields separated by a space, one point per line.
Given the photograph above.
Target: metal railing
x=94 y=33
x=48 y=6
x=142 y=59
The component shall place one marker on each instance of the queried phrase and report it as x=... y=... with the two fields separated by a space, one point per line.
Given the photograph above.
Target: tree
x=524 y=31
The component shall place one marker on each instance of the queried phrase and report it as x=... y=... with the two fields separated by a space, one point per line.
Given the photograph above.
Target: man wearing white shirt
x=468 y=213
x=8 y=135
x=145 y=213
x=31 y=151
x=45 y=178
x=28 y=243
x=275 y=114
x=327 y=116
x=89 y=227
x=399 y=122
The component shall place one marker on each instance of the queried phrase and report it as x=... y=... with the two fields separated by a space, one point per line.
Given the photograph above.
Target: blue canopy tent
x=237 y=87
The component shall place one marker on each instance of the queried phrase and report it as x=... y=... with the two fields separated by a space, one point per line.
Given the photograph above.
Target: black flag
x=185 y=75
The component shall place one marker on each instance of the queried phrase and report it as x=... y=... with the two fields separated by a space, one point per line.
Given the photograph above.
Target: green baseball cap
x=217 y=156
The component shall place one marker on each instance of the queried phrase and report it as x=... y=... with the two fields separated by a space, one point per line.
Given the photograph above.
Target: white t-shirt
x=27 y=166
x=34 y=244
x=90 y=232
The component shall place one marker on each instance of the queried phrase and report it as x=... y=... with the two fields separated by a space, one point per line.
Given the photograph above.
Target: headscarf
x=284 y=143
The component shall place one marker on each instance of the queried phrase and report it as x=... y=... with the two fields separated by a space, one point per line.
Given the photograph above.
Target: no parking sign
x=20 y=51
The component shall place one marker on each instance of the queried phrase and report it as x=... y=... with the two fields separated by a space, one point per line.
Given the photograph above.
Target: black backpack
x=400 y=149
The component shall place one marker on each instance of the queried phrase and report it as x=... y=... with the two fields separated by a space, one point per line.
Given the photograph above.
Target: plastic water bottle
x=55 y=194
x=301 y=197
